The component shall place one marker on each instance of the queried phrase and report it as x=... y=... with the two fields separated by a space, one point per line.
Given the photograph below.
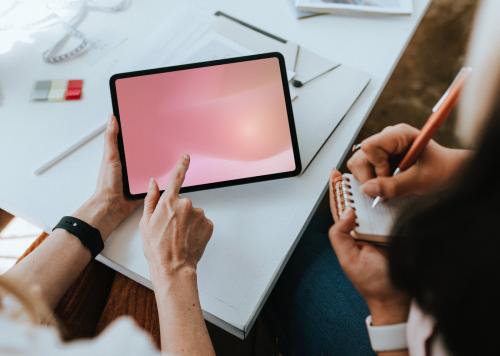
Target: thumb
x=151 y=199
x=111 y=140
x=391 y=187
x=340 y=236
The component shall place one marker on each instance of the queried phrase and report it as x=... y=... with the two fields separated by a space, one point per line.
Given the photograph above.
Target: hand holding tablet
x=233 y=117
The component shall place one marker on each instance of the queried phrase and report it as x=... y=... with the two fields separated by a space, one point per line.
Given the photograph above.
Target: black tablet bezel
x=288 y=103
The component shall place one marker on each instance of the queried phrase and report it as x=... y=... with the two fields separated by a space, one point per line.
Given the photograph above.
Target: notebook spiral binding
x=343 y=196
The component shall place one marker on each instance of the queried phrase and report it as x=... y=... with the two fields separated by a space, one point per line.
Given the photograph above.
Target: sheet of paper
x=197 y=43
x=213 y=46
x=165 y=41
x=299 y=13
x=367 y=6
x=378 y=220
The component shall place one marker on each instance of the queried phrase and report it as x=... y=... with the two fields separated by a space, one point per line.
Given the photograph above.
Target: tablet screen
x=233 y=119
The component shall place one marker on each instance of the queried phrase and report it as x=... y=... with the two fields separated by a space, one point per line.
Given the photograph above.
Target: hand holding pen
x=426 y=165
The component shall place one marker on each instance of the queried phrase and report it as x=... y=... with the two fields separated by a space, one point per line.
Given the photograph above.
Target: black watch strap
x=88 y=235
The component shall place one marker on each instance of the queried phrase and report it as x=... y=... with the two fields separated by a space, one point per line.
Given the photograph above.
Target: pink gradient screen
x=231 y=119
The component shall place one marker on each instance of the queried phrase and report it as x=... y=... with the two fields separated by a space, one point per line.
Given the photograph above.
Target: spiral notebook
x=372 y=224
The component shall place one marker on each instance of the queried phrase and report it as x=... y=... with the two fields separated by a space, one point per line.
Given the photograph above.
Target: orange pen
x=440 y=112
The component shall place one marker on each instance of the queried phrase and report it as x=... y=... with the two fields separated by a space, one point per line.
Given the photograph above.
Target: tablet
x=233 y=117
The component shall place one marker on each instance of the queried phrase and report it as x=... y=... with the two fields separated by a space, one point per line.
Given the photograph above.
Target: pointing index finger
x=177 y=177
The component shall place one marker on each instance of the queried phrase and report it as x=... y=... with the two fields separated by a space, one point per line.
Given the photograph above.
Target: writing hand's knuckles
x=388 y=128
x=405 y=128
x=402 y=142
x=376 y=155
x=355 y=161
x=369 y=146
x=351 y=163
x=376 y=142
x=401 y=129
x=404 y=134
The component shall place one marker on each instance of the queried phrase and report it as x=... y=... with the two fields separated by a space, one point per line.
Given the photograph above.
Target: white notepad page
x=372 y=221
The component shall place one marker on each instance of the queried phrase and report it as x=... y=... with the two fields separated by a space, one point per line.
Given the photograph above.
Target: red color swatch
x=73 y=94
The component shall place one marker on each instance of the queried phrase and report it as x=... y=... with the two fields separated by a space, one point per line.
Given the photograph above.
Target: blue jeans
x=314 y=309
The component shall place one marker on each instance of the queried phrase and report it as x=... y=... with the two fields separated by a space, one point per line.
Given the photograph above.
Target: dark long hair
x=446 y=252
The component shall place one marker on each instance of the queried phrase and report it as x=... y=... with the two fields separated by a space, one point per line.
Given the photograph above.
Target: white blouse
x=18 y=336
x=419 y=330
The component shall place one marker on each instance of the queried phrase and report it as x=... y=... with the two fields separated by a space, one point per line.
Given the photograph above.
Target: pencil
x=79 y=143
x=440 y=112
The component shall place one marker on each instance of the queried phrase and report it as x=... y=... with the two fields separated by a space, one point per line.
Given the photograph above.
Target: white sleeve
x=122 y=338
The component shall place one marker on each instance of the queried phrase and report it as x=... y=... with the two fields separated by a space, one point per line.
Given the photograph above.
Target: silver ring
x=356 y=147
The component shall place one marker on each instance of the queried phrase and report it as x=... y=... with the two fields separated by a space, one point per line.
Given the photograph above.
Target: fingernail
x=371 y=188
x=346 y=214
x=151 y=183
x=185 y=157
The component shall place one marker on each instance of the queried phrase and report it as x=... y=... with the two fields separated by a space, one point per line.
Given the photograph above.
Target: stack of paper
x=306 y=8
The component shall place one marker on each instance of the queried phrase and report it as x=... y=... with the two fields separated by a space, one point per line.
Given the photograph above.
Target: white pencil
x=82 y=141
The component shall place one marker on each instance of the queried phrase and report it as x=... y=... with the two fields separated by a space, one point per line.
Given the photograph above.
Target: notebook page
x=372 y=221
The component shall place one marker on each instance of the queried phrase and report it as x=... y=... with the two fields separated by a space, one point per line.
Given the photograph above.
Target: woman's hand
x=174 y=233
x=174 y=237
x=108 y=207
x=367 y=268
x=105 y=210
x=371 y=164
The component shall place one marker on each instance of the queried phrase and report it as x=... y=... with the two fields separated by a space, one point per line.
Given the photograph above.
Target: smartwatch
x=88 y=235
x=385 y=338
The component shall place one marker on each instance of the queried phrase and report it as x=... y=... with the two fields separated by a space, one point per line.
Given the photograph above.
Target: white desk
x=256 y=226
